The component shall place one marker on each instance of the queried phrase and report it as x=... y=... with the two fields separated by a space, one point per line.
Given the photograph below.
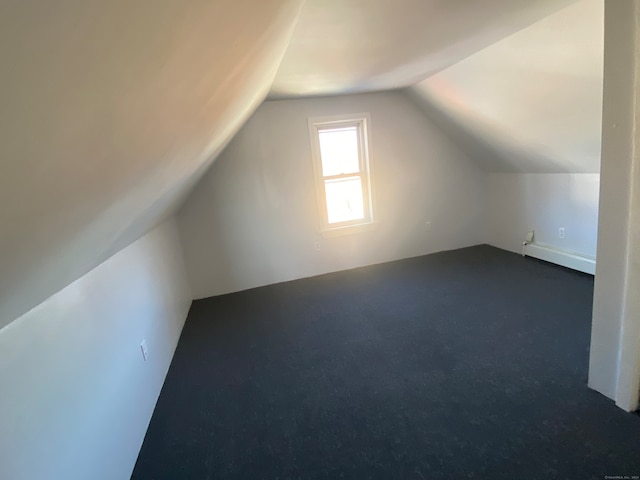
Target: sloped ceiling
x=366 y=45
x=531 y=102
x=109 y=111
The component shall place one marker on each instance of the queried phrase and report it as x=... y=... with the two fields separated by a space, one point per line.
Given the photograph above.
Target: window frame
x=362 y=122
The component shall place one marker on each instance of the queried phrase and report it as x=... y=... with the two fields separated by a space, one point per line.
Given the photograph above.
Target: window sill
x=349 y=229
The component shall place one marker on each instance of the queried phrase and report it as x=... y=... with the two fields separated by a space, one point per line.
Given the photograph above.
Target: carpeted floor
x=463 y=364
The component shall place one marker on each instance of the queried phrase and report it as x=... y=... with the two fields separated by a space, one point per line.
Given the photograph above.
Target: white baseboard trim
x=559 y=257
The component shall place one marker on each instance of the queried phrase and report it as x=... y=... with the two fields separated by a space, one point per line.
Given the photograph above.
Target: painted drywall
x=614 y=367
x=531 y=103
x=253 y=219
x=518 y=203
x=76 y=394
x=369 y=45
x=110 y=111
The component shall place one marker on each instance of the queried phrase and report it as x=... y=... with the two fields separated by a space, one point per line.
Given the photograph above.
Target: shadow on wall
x=485 y=147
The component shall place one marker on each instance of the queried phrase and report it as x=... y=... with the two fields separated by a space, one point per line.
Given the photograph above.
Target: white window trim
x=363 y=122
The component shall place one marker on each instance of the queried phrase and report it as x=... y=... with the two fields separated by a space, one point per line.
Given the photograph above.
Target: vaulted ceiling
x=531 y=102
x=110 y=111
x=352 y=46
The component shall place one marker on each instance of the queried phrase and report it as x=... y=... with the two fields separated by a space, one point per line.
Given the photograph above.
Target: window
x=340 y=150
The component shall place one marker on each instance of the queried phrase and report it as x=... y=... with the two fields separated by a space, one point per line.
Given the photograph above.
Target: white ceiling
x=109 y=112
x=531 y=102
x=343 y=46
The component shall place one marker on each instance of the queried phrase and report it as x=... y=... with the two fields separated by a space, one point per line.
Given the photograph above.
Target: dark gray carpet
x=463 y=364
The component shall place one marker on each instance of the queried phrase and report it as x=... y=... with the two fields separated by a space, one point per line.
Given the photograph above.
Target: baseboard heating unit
x=559 y=257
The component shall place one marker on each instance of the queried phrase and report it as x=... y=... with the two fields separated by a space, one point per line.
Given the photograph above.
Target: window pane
x=339 y=151
x=344 y=199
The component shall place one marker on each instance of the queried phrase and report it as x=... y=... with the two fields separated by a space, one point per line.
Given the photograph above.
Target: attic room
x=319 y=239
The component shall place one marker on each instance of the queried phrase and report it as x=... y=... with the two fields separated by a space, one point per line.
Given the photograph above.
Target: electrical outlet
x=316 y=244
x=561 y=233
x=143 y=349
x=427 y=226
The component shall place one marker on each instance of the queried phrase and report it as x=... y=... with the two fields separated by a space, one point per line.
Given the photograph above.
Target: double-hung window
x=340 y=149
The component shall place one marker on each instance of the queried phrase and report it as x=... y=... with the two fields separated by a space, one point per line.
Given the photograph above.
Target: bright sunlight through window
x=340 y=153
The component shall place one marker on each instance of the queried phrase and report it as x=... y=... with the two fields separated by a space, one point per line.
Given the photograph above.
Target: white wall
x=76 y=396
x=253 y=219
x=614 y=366
x=518 y=203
